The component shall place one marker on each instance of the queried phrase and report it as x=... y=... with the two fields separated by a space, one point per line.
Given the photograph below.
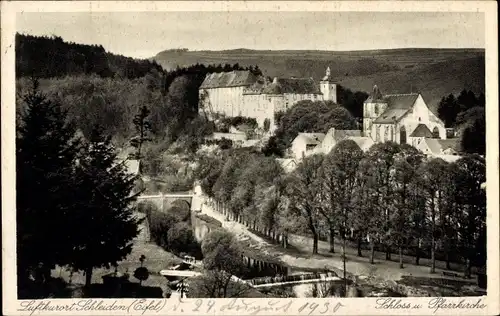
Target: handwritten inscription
x=240 y=306
x=254 y=307
x=443 y=303
x=435 y=304
x=139 y=305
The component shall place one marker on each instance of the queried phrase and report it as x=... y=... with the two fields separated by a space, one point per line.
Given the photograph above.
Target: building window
x=435 y=132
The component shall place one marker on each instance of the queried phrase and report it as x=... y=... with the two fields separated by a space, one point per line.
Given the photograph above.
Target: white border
x=365 y=306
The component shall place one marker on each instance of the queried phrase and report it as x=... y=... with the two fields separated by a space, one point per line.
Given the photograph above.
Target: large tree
x=471 y=201
x=46 y=150
x=448 y=110
x=433 y=177
x=405 y=169
x=143 y=129
x=379 y=172
x=223 y=258
x=104 y=224
x=303 y=193
x=337 y=182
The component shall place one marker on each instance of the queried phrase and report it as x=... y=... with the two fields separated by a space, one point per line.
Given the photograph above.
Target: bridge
x=164 y=201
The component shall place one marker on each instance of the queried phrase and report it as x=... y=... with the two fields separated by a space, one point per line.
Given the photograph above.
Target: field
x=433 y=72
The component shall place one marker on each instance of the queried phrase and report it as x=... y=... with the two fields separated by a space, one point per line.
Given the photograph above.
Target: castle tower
x=373 y=107
x=328 y=88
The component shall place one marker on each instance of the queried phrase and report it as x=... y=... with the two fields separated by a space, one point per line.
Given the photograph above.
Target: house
x=334 y=136
x=420 y=133
x=304 y=144
x=395 y=117
x=438 y=147
x=288 y=164
x=241 y=93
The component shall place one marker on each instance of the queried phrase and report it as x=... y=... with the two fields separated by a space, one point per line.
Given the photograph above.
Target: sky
x=144 y=34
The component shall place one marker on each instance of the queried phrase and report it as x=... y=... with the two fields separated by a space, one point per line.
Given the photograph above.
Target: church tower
x=373 y=107
x=328 y=88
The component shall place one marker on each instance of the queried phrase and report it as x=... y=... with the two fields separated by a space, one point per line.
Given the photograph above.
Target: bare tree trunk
x=433 y=255
x=372 y=252
x=468 y=268
x=285 y=242
x=332 y=240
x=315 y=242
x=387 y=252
x=417 y=255
x=448 y=267
x=360 y=254
x=88 y=277
x=401 y=257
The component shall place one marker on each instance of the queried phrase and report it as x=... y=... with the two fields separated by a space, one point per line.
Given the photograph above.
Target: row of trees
x=390 y=197
x=73 y=196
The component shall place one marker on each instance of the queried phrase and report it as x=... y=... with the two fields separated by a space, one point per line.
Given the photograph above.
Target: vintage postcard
x=250 y=158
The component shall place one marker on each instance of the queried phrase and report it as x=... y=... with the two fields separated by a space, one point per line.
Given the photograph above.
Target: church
x=241 y=93
x=401 y=118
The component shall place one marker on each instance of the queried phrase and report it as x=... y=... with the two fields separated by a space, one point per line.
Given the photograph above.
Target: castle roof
x=397 y=106
x=285 y=85
x=235 y=78
x=421 y=131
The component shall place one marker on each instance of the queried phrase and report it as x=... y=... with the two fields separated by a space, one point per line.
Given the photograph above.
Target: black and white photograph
x=250 y=154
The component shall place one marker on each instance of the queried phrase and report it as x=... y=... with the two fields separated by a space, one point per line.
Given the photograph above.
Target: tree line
x=74 y=197
x=391 y=198
x=51 y=56
x=466 y=113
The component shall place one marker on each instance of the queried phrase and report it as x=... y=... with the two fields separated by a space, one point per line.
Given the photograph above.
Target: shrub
x=160 y=223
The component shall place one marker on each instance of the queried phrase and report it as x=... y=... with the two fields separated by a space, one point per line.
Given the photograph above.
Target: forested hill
x=49 y=57
x=432 y=72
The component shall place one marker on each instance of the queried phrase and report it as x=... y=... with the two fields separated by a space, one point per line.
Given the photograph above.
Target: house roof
x=421 y=131
x=448 y=158
x=450 y=143
x=363 y=142
x=437 y=146
x=311 y=138
x=340 y=134
x=235 y=78
x=132 y=166
x=288 y=164
x=397 y=106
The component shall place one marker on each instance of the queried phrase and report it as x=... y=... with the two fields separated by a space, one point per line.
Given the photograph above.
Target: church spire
x=327 y=74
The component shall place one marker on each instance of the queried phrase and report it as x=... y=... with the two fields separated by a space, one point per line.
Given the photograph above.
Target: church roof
x=235 y=78
x=421 y=131
x=397 y=106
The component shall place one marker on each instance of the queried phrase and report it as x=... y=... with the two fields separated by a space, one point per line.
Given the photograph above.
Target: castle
x=241 y=93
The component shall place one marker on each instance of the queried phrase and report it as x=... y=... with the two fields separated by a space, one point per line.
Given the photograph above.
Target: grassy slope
x=433 y=72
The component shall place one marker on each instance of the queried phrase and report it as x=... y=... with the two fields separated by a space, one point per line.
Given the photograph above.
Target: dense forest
x=48 y=57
